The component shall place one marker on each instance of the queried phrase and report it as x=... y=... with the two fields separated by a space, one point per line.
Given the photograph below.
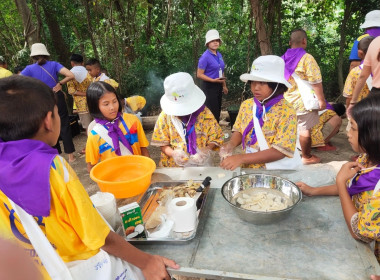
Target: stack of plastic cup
x=106 y=205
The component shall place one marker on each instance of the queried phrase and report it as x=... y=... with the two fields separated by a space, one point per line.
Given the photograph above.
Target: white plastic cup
x=106 y=205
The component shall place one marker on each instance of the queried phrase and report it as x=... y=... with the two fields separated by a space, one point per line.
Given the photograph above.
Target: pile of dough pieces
x=262 y=200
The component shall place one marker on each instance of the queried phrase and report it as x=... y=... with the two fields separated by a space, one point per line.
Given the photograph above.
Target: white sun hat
x=372 y=19
x=38 y=49
x=267 y=68
x=182 y=96
x=211 y=35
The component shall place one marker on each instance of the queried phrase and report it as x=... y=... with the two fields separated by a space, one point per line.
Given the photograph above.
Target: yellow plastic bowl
x=124 y=176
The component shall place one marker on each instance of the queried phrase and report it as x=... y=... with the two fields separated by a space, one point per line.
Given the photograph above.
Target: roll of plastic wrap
x=106 y=205
x=183 y=212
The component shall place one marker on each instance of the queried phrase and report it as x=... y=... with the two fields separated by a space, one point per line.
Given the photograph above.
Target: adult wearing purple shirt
x=211 y=72
x=47 y=72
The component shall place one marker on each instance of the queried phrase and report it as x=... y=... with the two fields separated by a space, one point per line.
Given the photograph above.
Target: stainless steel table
x=313 y=243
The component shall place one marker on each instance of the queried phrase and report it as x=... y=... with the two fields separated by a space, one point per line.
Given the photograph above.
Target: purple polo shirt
x=35 y=71
x=211 y=63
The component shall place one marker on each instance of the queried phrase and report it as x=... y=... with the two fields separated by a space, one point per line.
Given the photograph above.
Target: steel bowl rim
x=261 y=212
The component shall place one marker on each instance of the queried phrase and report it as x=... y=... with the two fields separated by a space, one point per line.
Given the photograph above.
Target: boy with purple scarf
x=42 y=183
x=299 y=63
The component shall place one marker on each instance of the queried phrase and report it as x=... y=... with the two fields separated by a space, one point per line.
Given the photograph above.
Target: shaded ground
x=343 y=153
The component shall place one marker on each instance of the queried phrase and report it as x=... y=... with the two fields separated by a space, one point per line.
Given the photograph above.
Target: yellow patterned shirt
x=317 y=139
x=279 y=128
x=206 y=127
x=350 y=84
x=80 y=101
x=307 y=69
x=366 y=223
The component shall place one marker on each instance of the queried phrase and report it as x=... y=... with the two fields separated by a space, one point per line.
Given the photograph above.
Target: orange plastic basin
x=124 y=176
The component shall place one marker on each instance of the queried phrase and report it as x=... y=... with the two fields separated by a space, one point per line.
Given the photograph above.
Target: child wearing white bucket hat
x=186 y=130
x=266 y=125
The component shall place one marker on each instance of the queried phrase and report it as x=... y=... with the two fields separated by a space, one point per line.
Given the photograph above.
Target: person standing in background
x=211 y=71
x=78 y=87
x=47 y=72
x=302 y=72
x=372 y=28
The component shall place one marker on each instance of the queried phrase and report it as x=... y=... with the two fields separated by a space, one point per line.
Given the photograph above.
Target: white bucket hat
x=372 y=19
x=267 y=68
x=211 y=35
x=182 y=96
x=38 y=49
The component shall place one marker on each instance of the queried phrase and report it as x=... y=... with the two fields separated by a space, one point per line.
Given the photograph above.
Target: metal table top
x=312 y=243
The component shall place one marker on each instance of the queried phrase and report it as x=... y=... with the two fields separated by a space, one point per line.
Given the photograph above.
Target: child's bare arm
x=89 y=167
x=145 y=152
x=152 y=266
x=315 y=191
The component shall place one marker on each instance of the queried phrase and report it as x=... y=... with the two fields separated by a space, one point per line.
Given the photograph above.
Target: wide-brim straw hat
x=182 y=96
x=38 y=49
x=267 y=68
x=211 y=35
x=372 y=19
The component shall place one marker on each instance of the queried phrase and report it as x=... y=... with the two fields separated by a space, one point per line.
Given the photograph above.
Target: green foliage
x=140 y=58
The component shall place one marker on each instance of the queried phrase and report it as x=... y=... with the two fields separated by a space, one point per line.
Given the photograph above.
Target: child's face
x=93 y=70
x=353 y=136
x=109 y=106
x=260 y=90
x=213 y=45
x=56 y=127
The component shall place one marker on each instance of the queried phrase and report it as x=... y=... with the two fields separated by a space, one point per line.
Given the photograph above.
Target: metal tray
x=148 y=205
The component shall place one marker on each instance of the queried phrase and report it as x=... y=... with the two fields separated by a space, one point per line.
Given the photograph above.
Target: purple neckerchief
x=373 y=31
x=364 y=180
x=329 y=106
x=291 y=58
x=191 y=135
x=260 y=117
x=115 y=133
x=25 y=174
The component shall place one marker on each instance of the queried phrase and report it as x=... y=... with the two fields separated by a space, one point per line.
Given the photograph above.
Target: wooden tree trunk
x=261 y=32
x=342 y=44
x=168 y=19
x=149 y=31
x=59 y=44
x=30 y=31
x=90 y=28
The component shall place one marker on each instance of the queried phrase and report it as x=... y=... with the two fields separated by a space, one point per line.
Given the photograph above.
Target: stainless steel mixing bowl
x=243 y=182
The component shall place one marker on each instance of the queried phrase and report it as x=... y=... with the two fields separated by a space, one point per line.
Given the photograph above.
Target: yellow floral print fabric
x=368 y=207
x=307 y=69
x=164 y=134
x=80 y=101
x=317 y=139
x=350 y=84
x=279 y=128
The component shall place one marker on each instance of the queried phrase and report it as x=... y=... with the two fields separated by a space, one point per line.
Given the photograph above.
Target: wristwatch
x=60 y=83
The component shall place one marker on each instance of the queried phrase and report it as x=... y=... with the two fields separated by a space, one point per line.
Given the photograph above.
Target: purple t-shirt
x=211 y=63
x=35 y=71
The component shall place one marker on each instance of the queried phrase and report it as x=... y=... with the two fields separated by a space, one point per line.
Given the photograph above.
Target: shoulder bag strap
x=48 y=74
x=52 y=262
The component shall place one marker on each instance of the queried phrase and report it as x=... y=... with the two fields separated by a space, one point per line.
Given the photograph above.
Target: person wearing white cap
x=372 y=28
x=47 y=71
x=266 y=125
x=211 y=71
x=186 y=130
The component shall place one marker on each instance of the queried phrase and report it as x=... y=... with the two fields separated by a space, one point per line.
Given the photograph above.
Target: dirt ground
x=343 y=153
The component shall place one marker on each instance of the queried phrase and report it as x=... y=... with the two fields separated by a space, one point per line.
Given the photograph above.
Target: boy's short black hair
x=339 y=108
x=18 y=69
x=24 y=104
x=366 y=114
x=93 y=61
x=77 y=58
x=364 y=43
x=94 y=92
x=297 y=35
